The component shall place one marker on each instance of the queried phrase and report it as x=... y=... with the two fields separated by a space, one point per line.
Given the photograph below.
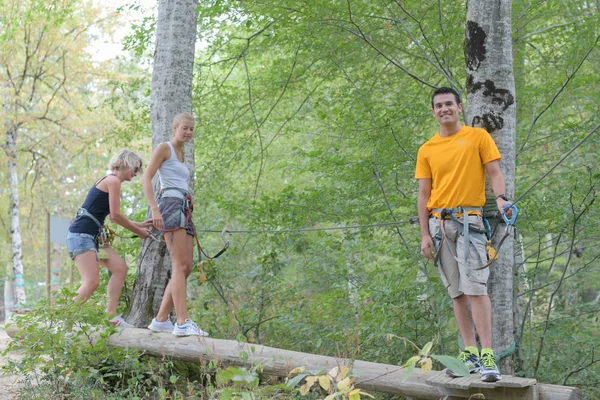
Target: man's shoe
x=489 y=369
x=157 y=326
x=188 y=328
x=470 y=360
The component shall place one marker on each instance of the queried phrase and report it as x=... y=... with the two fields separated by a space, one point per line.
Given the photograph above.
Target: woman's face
x=184 y=130
x=130 y=173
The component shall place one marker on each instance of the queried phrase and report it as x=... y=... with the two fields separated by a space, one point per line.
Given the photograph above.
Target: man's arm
x=427 y=247
x=498 y=184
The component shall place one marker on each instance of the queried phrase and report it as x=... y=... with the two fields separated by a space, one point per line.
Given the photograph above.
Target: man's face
x=445 y=109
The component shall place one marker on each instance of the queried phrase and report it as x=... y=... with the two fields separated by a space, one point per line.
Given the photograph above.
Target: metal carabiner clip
x=509 y=221
x=224 y=232
x=157 y=237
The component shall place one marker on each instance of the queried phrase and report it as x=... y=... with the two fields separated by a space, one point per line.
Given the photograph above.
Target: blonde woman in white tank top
x=168 y=160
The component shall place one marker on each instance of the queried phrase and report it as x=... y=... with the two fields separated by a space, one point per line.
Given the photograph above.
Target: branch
x=391 y=211
x=560 y=282
x=548 y=28
x=581 y=368
x=287 y=120
x=399 y=66
x=562 y=88
x=258 y=125
x=438 y=64
x=596 y=128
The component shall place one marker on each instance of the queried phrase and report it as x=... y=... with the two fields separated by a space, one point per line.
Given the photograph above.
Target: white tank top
x=173 y=174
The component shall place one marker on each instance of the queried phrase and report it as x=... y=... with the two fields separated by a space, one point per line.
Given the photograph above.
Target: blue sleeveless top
x=96 y=202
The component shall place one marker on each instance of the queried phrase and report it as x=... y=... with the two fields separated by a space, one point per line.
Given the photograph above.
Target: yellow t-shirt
x=455 y=165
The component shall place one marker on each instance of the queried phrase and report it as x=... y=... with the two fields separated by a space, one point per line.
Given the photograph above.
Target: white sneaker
x=119 y=322
x=189 y=328
x=157 y=326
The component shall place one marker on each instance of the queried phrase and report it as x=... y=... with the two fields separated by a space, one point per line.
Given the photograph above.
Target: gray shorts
x=176 y=215
x=458 y=277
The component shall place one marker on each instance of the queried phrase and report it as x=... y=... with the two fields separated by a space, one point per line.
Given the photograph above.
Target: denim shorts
x=79 y=243
x=175 y=215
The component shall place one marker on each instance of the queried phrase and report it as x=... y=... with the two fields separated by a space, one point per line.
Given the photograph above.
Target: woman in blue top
x=84 y=236
x=173 y=217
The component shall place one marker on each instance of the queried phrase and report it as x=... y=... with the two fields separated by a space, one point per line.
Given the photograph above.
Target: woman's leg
x=166 y=306
x=118 y=270
x=90 y=279
x=180 y=246
x=181 y=256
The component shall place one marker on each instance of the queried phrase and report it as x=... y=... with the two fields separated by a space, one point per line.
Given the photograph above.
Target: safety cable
x=307 y=229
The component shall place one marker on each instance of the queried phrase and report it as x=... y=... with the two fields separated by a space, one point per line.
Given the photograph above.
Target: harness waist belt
x=85 y=213
x=182 y=191
x=458 y=211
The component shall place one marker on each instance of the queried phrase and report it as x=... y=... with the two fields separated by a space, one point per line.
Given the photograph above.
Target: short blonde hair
x=184 y=116
x=125 y=159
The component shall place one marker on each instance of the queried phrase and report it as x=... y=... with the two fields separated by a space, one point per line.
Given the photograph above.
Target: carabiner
x=515 y=212
x=224 y=232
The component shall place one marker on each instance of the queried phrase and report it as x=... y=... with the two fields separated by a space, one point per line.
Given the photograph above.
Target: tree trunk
x=55 y=282
x=8 y=300
x=491 y=101
x=15 y=227
x=171 y=94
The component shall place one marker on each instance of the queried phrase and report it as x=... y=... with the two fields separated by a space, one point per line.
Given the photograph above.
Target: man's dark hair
x=445 y=90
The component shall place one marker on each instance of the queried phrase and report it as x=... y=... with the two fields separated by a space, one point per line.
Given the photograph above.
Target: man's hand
x=500 y=202
x=427 y=247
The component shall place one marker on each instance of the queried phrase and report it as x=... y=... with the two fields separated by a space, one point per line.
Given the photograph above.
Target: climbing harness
x=472 y=234
x=103 y=238
x=188 y=208
x=510 y=226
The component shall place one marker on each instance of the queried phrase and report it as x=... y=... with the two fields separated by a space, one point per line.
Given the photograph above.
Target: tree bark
x=171 y=94
x=491 y=105
x=10 y=148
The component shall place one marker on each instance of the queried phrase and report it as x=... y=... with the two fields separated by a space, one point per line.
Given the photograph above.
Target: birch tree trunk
x=171 y=94
x=10 y=148
x=491 y=105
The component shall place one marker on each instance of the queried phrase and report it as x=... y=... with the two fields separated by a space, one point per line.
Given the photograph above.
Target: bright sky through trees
x=131 y=12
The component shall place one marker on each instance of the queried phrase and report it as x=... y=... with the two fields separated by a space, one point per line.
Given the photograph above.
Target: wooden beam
x=277 y=362
x=509 y=388
x=369 y=376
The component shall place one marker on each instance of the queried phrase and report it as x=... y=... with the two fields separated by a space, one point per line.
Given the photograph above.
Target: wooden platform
x=509 y=388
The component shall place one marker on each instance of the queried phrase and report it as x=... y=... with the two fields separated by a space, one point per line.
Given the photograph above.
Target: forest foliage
x=309 y=117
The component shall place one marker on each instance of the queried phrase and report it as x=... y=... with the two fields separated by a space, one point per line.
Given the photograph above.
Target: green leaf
x=295 y=380
x=426 y=349
x=409 y=371
x=411 y=361
x=452 y=363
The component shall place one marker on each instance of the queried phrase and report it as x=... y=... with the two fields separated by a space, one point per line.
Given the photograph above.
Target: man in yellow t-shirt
x=451 y=169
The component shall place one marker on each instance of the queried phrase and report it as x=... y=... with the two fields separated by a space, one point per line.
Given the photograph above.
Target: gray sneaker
x=157 y=326
x=489 y=369
x=188 y=328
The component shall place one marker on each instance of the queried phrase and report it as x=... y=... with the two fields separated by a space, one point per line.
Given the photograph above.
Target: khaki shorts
x=454 y=273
